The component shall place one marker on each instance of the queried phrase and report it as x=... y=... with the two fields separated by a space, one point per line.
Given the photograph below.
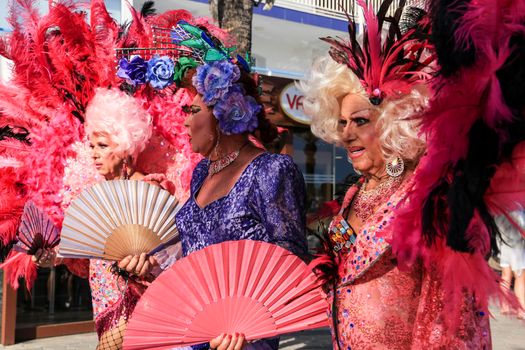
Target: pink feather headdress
x=59 y=60
x=387 y=65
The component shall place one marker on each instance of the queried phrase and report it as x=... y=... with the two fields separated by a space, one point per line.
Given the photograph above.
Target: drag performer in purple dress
x=266 y=204
x=238 y=191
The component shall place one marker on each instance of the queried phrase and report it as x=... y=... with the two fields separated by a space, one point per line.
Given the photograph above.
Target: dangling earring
x=217 y=148
x=395 y=166
x=124 y=173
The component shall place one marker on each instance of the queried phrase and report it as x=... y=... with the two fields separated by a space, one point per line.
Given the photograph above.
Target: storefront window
x=57 y=296
x=316 y=161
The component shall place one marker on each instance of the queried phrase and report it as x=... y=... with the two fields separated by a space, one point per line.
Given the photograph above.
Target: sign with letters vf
x=292 y=104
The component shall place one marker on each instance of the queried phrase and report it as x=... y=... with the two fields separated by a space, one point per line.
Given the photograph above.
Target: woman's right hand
x=139 y=265
x=45 y=257
x=228 y=342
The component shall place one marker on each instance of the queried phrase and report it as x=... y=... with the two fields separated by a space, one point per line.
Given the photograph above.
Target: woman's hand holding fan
x=228 y=341
x=45 y=257
x=139 y=265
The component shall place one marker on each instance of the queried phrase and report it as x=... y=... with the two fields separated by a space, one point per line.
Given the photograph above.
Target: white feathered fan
x=117 y=218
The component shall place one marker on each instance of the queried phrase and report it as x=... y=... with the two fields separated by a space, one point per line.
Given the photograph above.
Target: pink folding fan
x=36 y=231
x=249 y=287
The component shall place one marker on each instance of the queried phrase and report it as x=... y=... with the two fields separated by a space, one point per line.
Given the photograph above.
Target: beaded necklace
x=366 y=201
x=221 y=163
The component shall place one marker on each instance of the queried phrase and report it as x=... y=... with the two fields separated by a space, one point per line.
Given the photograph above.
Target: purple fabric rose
x=213 y=80
x=160 y=71
x=133 y=71
x=237 y=112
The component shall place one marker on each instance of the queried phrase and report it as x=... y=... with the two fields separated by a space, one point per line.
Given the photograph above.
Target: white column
x=125 y=13
x=5 y=69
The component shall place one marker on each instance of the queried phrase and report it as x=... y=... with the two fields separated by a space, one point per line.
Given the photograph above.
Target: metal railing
x=335 y=8
x=319 y=178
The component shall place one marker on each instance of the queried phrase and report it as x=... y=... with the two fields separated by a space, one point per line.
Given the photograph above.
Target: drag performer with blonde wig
x=394 y=267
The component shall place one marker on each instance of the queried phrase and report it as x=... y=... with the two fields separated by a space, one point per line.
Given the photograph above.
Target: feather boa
x=467 y=93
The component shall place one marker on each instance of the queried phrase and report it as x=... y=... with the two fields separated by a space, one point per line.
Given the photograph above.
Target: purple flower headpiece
x=235 y=111
x=158 y=71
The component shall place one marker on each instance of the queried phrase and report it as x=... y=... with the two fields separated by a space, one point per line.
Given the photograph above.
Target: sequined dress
x=267 y=203
x=379 y=306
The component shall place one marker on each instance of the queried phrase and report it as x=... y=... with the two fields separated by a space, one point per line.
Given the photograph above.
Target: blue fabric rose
x=237 y=112
x=160 y=71
x=213 y=80
x=133 y=71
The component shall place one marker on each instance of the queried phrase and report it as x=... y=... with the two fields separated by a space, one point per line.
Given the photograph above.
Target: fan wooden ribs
x=114 y=219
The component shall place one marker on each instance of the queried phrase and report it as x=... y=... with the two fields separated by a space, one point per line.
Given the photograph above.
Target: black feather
x=450 y=207
x=148 y=9
x=446 y=18
x=14 y=133
x=511 y=78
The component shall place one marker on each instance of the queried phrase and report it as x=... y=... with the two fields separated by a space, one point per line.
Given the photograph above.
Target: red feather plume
x=386 y=66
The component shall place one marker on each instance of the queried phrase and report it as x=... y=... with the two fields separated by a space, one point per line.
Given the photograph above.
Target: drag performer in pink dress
x=403 y=264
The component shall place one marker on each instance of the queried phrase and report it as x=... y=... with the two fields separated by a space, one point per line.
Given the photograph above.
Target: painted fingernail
x=229 y=336
x=236 y=334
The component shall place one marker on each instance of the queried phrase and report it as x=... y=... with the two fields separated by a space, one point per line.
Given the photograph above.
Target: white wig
x=398 y=120
x=323 y=90
x=117 y=114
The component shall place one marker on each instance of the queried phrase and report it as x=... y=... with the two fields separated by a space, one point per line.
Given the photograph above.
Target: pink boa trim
x=19 y=265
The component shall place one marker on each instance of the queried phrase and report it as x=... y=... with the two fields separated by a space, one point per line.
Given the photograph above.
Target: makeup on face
x=357 y=128
x=107 y=162
x=201 y=126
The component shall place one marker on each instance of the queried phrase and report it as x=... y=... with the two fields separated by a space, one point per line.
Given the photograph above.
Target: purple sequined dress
x=267 y=203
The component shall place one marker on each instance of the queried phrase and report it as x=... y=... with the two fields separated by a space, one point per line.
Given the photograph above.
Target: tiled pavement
x=508 y=334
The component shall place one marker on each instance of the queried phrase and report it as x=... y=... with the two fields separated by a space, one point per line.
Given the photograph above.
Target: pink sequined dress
x=378 y=306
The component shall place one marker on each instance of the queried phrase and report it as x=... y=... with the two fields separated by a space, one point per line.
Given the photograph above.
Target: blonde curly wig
x=398 y=118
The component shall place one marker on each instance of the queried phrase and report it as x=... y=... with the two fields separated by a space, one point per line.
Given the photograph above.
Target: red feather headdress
x=387 y=66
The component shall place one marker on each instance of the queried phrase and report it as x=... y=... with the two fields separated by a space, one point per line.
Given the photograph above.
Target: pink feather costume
x=380 y=306
x=59 y=60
